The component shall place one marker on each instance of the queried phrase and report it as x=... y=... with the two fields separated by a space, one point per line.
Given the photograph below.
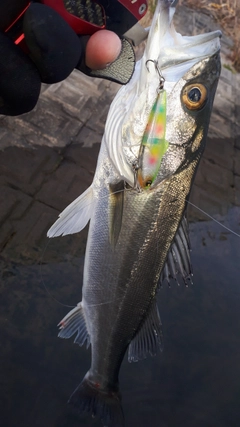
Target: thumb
x=102 y=48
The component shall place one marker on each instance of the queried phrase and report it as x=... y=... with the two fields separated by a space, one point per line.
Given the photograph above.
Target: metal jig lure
x=154 y=144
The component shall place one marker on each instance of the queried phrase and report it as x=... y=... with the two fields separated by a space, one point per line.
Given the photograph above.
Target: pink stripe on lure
x=154 y=144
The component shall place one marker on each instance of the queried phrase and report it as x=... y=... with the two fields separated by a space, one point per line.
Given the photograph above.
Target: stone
x=220 y=151
x=25 y=169
x=237 y=161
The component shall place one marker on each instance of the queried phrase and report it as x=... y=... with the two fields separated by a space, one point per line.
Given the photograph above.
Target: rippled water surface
x=195 y=381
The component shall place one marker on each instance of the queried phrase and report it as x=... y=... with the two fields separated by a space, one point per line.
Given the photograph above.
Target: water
x=193 y=382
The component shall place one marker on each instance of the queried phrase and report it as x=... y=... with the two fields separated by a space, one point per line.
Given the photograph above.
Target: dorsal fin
x=149 y=339
x=178 y=263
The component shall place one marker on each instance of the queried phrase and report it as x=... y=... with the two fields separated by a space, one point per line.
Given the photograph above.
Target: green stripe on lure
x=154 y=144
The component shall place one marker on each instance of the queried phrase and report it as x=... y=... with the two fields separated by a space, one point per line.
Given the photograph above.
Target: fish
x=138 y=239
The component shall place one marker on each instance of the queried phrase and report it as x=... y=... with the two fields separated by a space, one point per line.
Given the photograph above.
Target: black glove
x=56 y=51
x=53 y=51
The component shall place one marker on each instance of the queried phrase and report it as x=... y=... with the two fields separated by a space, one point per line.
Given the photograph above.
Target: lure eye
x=148 y=183
x=194 y=96
x=144 y=183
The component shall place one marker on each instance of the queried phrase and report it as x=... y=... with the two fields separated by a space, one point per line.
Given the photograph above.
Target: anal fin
x=74 y=322
x=149 y=339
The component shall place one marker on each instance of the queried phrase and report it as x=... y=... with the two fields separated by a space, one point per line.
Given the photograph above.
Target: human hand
x=49 y=53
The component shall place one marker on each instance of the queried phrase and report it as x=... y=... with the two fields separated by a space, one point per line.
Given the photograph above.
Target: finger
x=54 y=47
x=102 y=48
x=19 y=80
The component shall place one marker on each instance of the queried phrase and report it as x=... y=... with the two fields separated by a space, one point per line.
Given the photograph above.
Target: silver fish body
x=136 y=238
x=121 y=277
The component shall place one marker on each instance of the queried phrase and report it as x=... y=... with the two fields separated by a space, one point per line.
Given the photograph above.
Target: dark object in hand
x=37 y=44
x=49 y=53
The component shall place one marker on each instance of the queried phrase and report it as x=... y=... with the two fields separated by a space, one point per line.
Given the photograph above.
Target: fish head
x=188 y=114
x=179 y=61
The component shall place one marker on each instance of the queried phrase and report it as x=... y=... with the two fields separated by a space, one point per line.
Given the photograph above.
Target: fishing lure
x=154 y=144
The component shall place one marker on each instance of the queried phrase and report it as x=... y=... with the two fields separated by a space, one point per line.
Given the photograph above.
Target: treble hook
x=161 y=78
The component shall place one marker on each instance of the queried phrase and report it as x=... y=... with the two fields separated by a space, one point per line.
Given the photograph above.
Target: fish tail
x=104 y=404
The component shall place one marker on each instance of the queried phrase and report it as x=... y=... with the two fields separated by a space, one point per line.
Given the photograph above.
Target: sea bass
x=138 y=236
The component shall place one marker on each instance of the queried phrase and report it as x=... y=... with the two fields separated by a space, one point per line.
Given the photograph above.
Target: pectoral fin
x=178 y=263
x=75 y=217
x=115 y=211
x=149 y=339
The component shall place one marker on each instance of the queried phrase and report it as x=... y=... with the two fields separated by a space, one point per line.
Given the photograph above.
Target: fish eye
x=194 y=96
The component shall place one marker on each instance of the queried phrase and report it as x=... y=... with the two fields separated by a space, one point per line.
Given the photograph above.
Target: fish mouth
x=175 y=60
x=174 y=53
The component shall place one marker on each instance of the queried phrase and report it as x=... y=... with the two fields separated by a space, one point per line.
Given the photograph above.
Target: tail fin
x=105 y=405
